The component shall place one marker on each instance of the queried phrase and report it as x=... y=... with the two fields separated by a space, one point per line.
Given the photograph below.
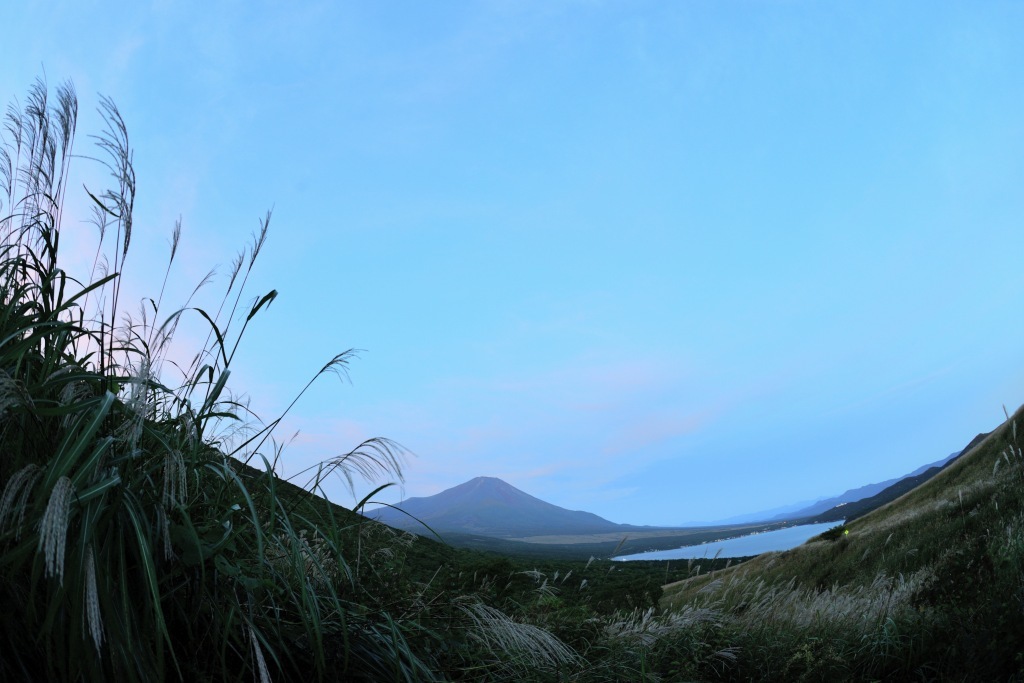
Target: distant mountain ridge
x=848 y=512
x=868 y=490
x=491 y=507
x=852 y=510
x=835 y=507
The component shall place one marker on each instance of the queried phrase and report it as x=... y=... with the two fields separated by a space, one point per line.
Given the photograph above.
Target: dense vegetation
x=143 y=535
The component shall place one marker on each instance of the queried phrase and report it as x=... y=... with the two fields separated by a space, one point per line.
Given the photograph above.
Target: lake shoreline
x=738 y=546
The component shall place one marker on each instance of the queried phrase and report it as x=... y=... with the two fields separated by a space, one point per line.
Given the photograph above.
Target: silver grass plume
x=140 y=405
x=92 y=600
x=15 y=496
x=525 y=646
x=71 y=393
x=645 y=628
x=165 y=532
x=53 y=528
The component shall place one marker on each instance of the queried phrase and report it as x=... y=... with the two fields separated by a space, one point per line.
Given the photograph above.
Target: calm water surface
x=754 y=544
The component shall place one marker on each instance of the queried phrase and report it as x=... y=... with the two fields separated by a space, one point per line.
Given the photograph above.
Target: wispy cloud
x=656 y=429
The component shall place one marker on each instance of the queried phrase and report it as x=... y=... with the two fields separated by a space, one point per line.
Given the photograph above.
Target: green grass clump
x=135 y=543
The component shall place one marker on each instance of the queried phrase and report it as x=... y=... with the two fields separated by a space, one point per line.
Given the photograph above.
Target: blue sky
x=663 y=262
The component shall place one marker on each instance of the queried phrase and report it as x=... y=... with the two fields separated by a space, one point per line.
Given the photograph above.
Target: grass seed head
x=92 y=600
x=53 y=528
x=14 y=501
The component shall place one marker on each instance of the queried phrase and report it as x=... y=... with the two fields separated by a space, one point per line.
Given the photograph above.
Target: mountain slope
x=904 y=484
x=825 y=509
x=490 y=507
x=943 y=563
x=965 y=522
x=858 y=508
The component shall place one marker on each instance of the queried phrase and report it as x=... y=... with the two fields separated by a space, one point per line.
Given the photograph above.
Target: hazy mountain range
x=824 y=505
x=490 y=507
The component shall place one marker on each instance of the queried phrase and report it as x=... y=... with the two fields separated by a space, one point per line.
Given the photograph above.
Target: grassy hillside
x=929 y=585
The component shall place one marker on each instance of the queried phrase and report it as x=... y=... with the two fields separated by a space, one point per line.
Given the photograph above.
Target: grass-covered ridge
x=144 y=536
x=928 y=586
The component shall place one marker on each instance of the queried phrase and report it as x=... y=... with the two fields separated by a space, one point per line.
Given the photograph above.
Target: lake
x=743 y=546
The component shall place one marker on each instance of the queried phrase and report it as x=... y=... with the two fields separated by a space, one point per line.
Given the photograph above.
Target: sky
x=663 y=262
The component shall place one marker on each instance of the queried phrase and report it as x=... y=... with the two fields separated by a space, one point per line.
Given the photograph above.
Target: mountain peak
x=486 y=481
x=490 y=506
